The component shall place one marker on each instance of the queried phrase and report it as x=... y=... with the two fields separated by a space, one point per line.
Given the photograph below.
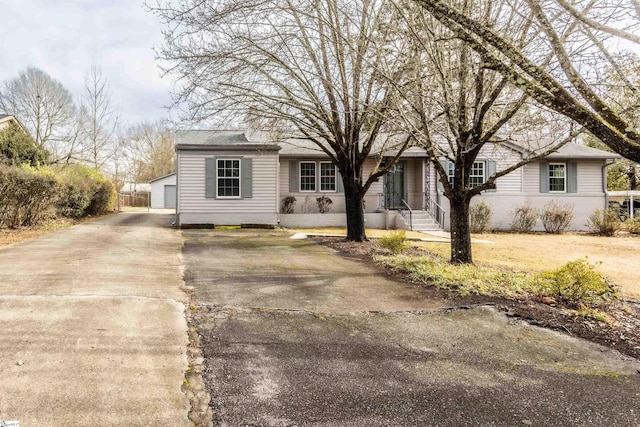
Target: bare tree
x=579 y=36
x=145 y=152
x=99 y=119
x=458 y=111
x=46 y=109
x=311 y=67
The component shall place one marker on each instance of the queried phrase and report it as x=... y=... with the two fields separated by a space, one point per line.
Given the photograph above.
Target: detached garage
x=163 y=192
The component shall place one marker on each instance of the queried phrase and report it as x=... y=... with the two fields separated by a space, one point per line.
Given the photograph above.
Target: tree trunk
x=460 y=231
x=353 y=197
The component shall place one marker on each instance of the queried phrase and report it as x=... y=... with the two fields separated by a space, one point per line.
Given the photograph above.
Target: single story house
x=163 y=192
x=223 y=178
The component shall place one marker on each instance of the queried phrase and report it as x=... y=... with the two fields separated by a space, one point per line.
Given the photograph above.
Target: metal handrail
x=434 y=209
x=410 y=214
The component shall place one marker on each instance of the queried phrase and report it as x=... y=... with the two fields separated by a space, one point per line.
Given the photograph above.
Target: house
x=163 y=192
x=6 y=119
x=224 y=178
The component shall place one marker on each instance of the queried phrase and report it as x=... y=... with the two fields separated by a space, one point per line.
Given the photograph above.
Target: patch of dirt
x=621 y=332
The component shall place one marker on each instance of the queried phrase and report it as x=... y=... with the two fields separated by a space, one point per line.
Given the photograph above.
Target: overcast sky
x=64 y=38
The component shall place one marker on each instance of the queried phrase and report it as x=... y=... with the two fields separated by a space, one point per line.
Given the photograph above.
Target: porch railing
x=404 y=211
x=434 y=209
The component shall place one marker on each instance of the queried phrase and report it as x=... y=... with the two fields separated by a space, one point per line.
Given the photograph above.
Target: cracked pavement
x=294 y=334
x=93 y=328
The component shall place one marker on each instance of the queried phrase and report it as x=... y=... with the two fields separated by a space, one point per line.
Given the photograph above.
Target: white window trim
x=335 y=178
x=484 y=171
x=564 y=177
x=315 y=184
x=451 y=171
x=239 y=196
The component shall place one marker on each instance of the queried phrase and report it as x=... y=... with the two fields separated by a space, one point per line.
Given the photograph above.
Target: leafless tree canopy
x=457 y=108
x=99 y=119
x=307 y=67
x=45 y=107
x=569 y=43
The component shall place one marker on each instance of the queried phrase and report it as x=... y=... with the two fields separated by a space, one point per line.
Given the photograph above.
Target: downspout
x=176 y=222
x=604 y=182
x=278 y=187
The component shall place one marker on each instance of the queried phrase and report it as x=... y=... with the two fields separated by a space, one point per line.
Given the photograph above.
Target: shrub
x=27 y=196
x=288 y=204
x=84 y=192
x=632 y=225
x=575 y=281
x=324 y=204
x=604 y=222
x=525 y=218
x=479 y=217
x=556 y=217
x=104 y=198
x=395 y=242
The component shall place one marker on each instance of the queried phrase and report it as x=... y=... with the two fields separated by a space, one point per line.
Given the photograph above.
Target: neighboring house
x=5 y=119
x=163 y=192
x=223 y=178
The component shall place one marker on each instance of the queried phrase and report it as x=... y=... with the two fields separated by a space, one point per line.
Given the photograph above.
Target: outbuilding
x=163 y=192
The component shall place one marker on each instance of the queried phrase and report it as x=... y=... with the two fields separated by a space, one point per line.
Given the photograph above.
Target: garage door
x=170 y=196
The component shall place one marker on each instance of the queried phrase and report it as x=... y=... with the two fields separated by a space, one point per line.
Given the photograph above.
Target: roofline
x=161 y=177
x=228 y=147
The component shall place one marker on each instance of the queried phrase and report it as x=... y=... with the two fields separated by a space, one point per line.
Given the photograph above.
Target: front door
x=394 y=187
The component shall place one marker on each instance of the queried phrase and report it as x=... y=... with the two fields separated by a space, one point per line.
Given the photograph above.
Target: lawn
x=616 y=257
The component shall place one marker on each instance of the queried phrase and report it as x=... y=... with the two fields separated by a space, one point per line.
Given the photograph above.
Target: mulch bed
x=621 y=334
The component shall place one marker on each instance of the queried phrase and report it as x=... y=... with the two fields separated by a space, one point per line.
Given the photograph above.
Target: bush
x=556 y=217
x=604 y=222
x=324 y=204
x=632 y=225
x=524 y=219
x=479 y=217
x=26 y=196
x=84 y=192
x=288 y=204
x=395 y=242
x=575 y=281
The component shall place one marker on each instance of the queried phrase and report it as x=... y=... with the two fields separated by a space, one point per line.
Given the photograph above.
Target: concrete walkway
x=93 y=331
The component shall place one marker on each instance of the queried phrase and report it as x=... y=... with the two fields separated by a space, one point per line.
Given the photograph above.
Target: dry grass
x=9 y=236
x=615 y=257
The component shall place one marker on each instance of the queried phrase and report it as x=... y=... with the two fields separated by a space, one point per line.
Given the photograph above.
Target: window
x=307 y=176
x=327 y=176
x=228 y=178
x=476 y=177
x=557 y=178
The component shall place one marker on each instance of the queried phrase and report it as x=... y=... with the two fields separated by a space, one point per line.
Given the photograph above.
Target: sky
x=64 y=38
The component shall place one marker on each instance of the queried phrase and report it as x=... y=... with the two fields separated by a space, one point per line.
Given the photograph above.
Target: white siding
x=306 y=201
x=590 y=177
x=194 y=207
x=504 y=158
x=157 y=190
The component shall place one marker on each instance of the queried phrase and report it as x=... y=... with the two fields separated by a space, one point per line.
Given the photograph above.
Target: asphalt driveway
x=92 y=321
x=295 y=335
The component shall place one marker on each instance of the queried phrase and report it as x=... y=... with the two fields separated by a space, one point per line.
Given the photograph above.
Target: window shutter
x=293 y=176
x=491 y=170
x=445 y=165
x=339 y=183
x=544 y=177
x=210 y=177
x=572 y=177
x=246 y=172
